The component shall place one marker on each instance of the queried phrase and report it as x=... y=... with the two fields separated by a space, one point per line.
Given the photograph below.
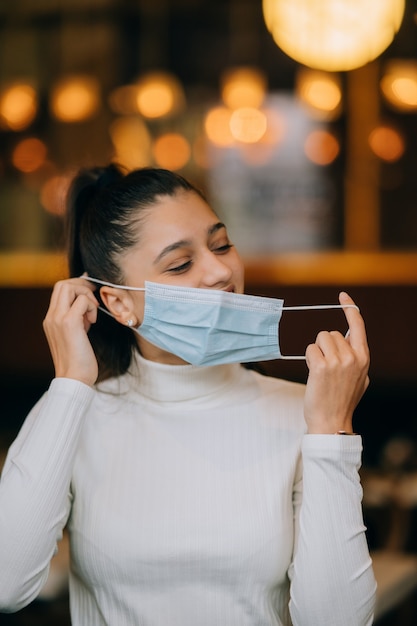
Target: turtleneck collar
x=178 y=383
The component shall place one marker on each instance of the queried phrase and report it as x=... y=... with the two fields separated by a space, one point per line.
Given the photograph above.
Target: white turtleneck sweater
x=181 y=488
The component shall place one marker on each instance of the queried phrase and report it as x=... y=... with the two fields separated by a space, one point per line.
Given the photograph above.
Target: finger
x=330 y=342
x=85 y=309
x=356 y=335
x=66 y=292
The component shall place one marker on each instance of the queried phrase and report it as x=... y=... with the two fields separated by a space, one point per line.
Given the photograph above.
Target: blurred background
x=298 y=119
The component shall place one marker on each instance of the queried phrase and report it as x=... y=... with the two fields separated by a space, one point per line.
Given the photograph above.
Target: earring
x=129 y=323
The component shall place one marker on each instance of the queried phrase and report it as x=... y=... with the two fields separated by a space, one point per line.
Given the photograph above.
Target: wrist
x=331 y=428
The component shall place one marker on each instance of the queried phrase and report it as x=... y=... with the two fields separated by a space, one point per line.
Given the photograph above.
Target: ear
x=120 y=304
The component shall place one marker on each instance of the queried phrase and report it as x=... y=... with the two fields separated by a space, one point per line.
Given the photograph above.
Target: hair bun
x=107 y=176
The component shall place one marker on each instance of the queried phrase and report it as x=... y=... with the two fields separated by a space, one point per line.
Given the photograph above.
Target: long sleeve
x=35 y=490
x=332 y=577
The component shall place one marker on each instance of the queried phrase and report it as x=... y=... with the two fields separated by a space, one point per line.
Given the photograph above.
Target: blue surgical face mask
x=210 y=326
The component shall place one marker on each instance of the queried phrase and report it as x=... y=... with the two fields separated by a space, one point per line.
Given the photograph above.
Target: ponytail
x=85 y=186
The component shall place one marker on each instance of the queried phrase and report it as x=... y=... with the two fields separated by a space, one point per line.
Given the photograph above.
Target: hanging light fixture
x=333 y=35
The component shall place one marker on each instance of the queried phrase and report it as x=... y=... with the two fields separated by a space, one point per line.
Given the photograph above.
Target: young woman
x=194 y=495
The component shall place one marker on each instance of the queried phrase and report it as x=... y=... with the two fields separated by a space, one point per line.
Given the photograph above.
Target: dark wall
x=388 y=408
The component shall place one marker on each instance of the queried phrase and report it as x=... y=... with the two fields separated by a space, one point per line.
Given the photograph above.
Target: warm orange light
x=321 y=147
x=399 y=84
x=132 y=142
x=321 y=92
x=217 y=126
x=243 y=87
x=387 y=143
x=53 y=194
x=171 y=151
x=333 y=35
x=75 y=98
x=29 y=155
x=248 y=124
x=18 y=106
x=159 y=94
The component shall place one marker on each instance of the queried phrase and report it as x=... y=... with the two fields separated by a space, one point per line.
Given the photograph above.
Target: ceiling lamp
x=333 y=35
x=75 y=98
x=243 y=87
x=159 y=94
x=399 y=84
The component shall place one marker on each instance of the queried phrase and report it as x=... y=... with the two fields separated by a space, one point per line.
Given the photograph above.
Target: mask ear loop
x=107 y=284
x=315 y=307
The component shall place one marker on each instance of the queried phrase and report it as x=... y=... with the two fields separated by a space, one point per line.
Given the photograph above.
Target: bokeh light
x=171 y=151
x=159 y=94
x=132 y=142
x=321 y=147
x=18 y=106
x=399 y=85
x=29 y=155
x=248 y=124
x=75 y=98
x=387 y=143
x=321 y=92
x=243 y=87
x=217 y=126
x=54 y=193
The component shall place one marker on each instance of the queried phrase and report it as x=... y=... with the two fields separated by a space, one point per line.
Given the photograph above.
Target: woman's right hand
x=72 y=310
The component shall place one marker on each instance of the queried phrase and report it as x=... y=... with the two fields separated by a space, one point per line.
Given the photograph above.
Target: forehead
x=182 y=216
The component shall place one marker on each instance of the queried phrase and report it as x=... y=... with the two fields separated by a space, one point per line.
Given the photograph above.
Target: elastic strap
x=107 y=284
x=309 y=307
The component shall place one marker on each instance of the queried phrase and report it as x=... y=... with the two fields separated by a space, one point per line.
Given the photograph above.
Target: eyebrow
x=186 y=242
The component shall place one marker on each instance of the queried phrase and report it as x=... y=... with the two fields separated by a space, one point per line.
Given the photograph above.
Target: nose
x=215 y=273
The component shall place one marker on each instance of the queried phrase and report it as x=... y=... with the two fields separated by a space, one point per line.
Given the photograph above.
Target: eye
x=222 y=249
x=180 y=268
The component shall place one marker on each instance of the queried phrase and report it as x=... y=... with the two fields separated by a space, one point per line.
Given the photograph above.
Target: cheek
x=139 y=305
x=239 y=271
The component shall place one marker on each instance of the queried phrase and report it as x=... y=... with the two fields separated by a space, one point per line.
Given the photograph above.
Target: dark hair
x=104 y=209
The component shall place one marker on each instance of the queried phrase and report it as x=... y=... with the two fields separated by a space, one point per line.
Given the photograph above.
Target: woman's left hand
x=338 y=375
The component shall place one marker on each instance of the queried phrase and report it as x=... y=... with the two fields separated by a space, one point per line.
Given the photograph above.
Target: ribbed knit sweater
x=192 y=497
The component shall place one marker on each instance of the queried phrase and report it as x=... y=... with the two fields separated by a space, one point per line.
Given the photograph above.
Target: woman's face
x=182 y=242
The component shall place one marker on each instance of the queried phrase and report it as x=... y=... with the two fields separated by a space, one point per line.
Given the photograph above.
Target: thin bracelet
x=344 y=432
